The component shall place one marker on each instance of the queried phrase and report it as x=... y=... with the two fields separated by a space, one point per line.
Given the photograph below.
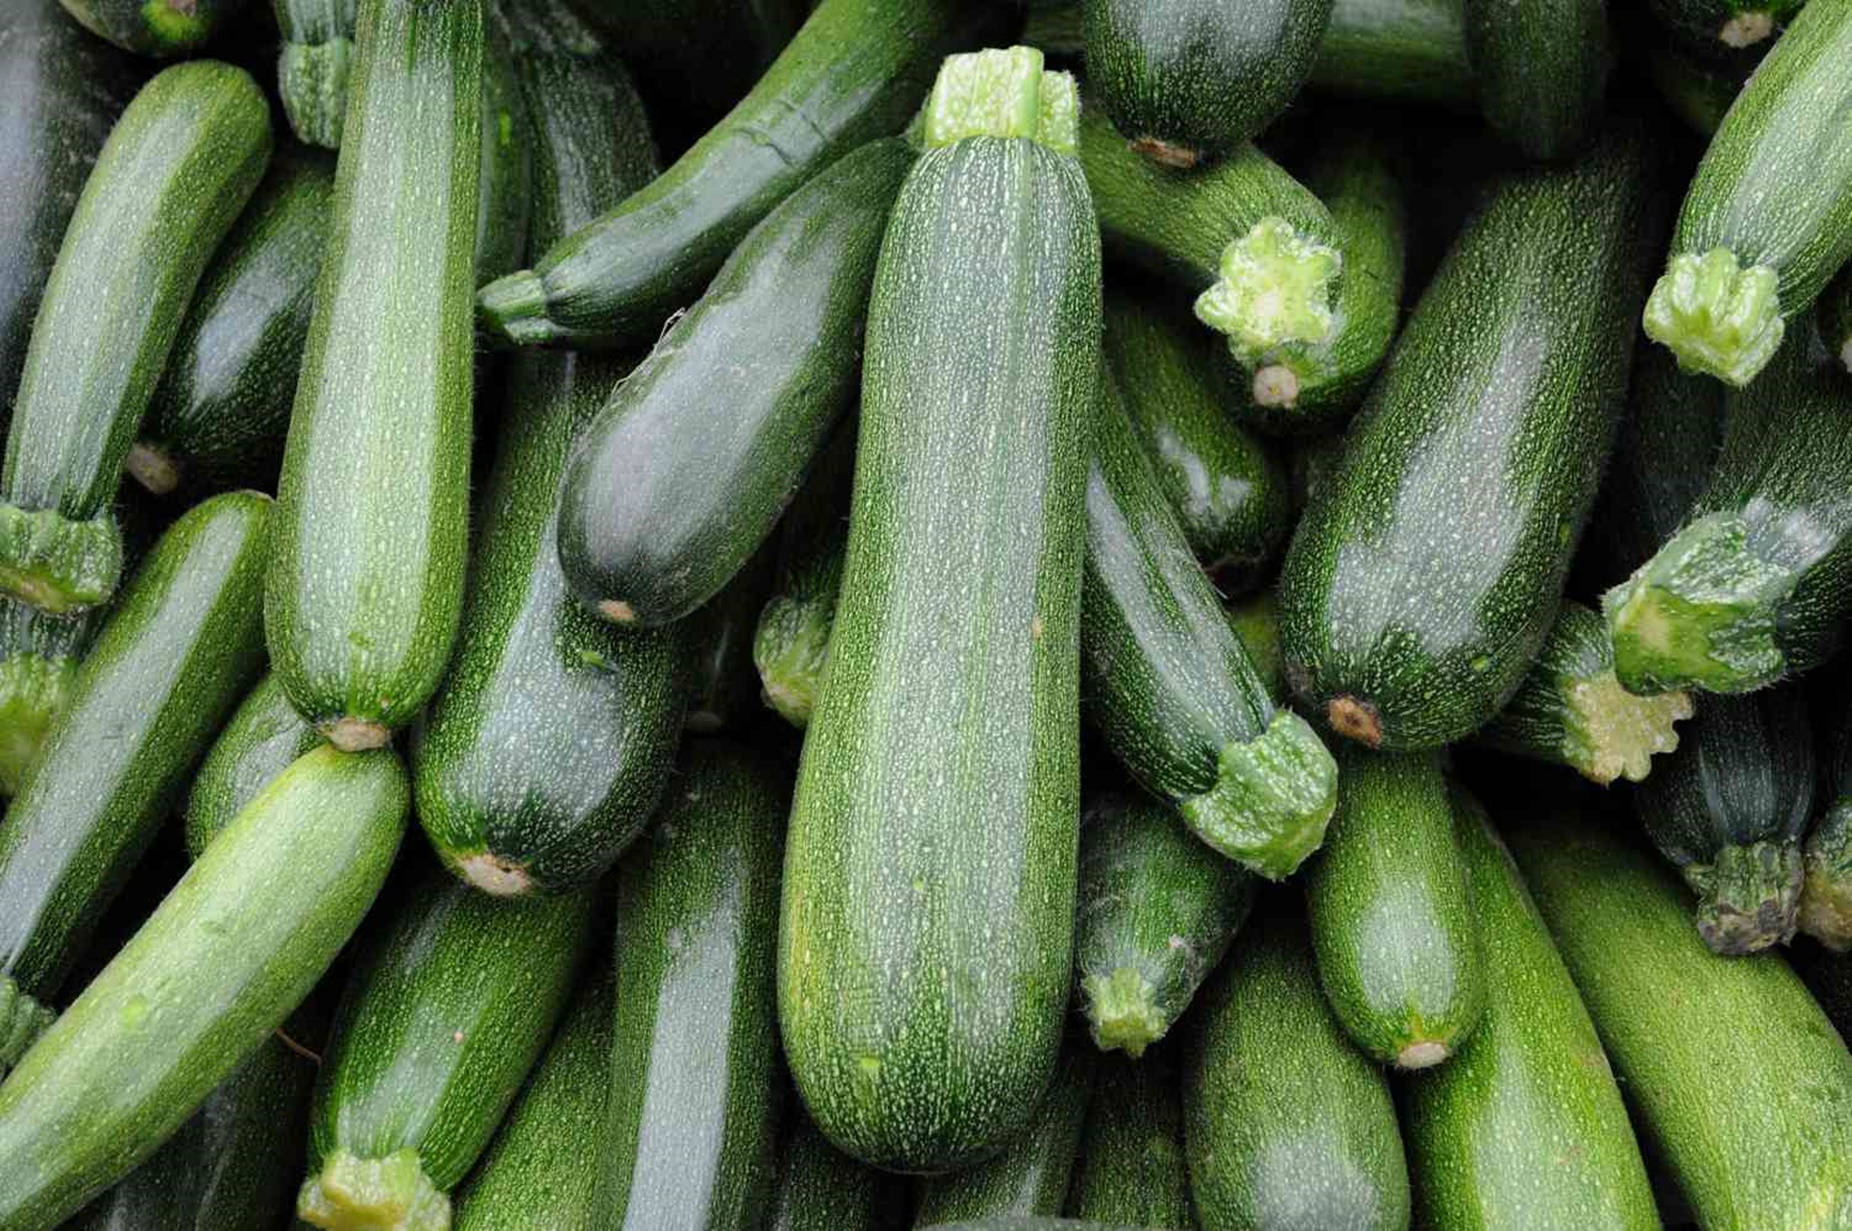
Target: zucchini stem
x=1275 y=287
x=1826 y=884
x=1002 y=92
x=33 y=689
x=373 y=1194
x=55 y=564
x=1272 y=798
x=1716 y=316
x=22 y=1021
x=1748 y=897
x=1120 y=1013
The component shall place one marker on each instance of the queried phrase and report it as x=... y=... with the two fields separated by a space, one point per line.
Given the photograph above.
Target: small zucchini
x=1131 y=1168
x=822 y=1189
x=1826 y=867
x=791 y=645
x=313 y=66
x=1540 y=68
x=158 y=28
x=263 y=738
x=1395 y=50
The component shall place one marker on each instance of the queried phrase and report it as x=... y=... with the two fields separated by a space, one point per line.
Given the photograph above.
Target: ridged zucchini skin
x=1422 y=579
x=1131 y=1168
x=182 y=645
x=856 y=70
x=366 y=578
x=791 y=645
x=158 y=28
x=448 y=1008
x=686 y=470
x=690 y=1138
x=1540 y=68
x=1523 y=1128
x=220 y=412
x=1191 y=80
x=1826 y=876
x=263 y=737
x=1767 y=220
x=1158 y=910
x=236 y=945
x=1284 y=1122
x=1719 y=1058
x=822 y=1189
x=173 y=175
x=1413 y=50
x=313 y=65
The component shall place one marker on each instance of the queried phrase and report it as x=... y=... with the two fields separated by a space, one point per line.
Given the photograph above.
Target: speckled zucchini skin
x=158 y=28
x=1396 y=50
x=263 y=737
x=822 y=1189
x=1540 y=68
x=1131 y=1169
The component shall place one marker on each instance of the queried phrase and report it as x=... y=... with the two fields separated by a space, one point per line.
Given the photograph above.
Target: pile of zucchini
x=996 y=614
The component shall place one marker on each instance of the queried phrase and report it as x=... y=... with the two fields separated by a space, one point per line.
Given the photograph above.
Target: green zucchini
x=1767 y=220
x=1835 y=317
x=1540 y=68
x=1524 y=1127
x=1031 y=1222
x=366 y=577
x=1227 y=489
x=1031 y=1175
x=1193 y=80
x=1422 y=580
x=1724 y=28
x=159 y=28
x=1698 y=93
x=450 y=1005
x=684 y=473
x=718 y=647
x=1402 y=50
x=1826 y=869
x=1828 y=975
x=1158 y=909
x=1571 y=710
x=1285 y=1123
x=236 y=945
x=1256 y=621
x=313 y=66
x=941 y=779
x=1170 y=686
x=504 y=181
x=173 y=175
x=1131 y=1168
x=220 y=412
x=822 y=1189
x=184 y=642
x=1391 y=920
x=263 y=738
x=1719 y=1058
x=854 y=72
x=691 y=1131
x=791 y=644
x=39 y=654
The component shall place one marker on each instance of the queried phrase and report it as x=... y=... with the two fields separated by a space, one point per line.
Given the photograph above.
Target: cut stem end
x=1272 y=798
x=356 y=734
x=1121 y=1014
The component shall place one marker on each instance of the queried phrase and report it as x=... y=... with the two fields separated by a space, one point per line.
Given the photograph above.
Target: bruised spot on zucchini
x=1355 y=719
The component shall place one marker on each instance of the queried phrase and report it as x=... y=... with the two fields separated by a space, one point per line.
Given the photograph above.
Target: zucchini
x=1540 y=68
x=450 y=1005
x=236 y=945
x=1131 y=1167
x=1227 y=489
x=791 y=644
x=691 y=1131
x=684 y=473
x=184 y=642
x=313 y=66
x=1724 y=29
x=1193 y=80
x=366 y=577
x=504 y=182
x=1835 y=317
x=39 y=654
x=1284 y=1122
x=941 y=779
x=1571 y=710
x=1031 y=1175
x=1698 y=93
x=1754 y=586
x=263 y=738
x=1158 y=909
x=1828 y=976
x=1391 y=920
x=1256 y=621
x=1422 y=580
x=173 y=175
x=1525 y=1126
x=158 y=28
x=1767 y=220
x=1030 y=1222
x=1170 y=686
x=822 y=1189
x=1719 y=1058
x=1399 y=50
x=718 y=643
x=221 y=410
x=1826 y=869
x=854 y=72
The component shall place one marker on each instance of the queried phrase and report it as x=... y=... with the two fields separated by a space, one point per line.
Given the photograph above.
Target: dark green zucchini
x=173 y=175
x=1835 y=317
x=1256 y=621
x=159 y=28
x=1524 y=1127
x=1412 y=50
x=263 y=738
x=1826 y=876
x=1422 y=580
x=1540 y=69
x=941 y=779
x=1193 y=80
x=235 y=946
x=690 y=1137
x=686 y=470
x=185 y=641
x=367 y=566
x=1158 y=909
x=1285 y=1123
x=791 y=644
x=313 y=66
x=855 y=71
x=1131 y=1168
x=1767 y=220
x=718 y=645
x=449 y=1007
x=1724 y=29
x=504 y=182
x=1700 y=94
x=822 y=1189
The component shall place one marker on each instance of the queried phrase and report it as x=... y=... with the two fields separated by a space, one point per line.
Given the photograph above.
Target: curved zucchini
x=173 y=175
x=791 y=645
x=181 y=646
x=1422 y=580
x=1540 y=68
x=159 y=28
x=1413 y=50
x=1131 y=1168
x=691 y=1131
x=1158 y=909
x=263 y=738
x=1826 y=870
x=236 y=945
x=822 y=1189
x=313 y=66
x=366 y=577
x=685 y=471
x=941 y=779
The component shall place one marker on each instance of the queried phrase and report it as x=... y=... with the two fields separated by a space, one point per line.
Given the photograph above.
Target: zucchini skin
x=1835 y=318
x=1663 y=1004
x=221 y=410
x=1525 y=1126
x=686 y=470
x=1540 y=68
x=183 y=643
x=1131 y=1167
x=177 y=168
x=158 y=28
x=1392 y=632
x=856 y=70
x=691 y=1131
x=822 y=1189
x=1413 y=50
x=236 y=945
x=1391 y=921
x=1700 y=94
x=791 y=645
x=1282 y=1117
x=924 y=1045
x=313 y=65
x=263 y=737
x=366 y=578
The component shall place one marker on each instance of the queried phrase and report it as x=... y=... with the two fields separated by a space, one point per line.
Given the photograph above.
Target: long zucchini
x=1131 y=1168
x=263 y=737
x=791 y=644
x=1540 y=69
x=504 y=179
x=159 y=28
x=313 y=66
